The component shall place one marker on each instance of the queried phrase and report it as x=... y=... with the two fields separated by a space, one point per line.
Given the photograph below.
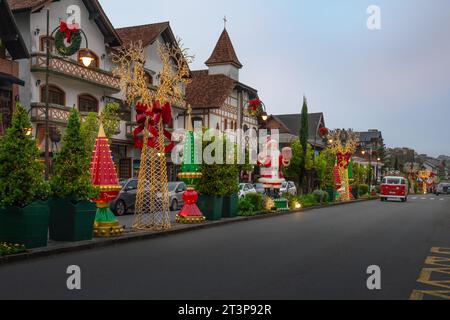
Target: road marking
x=423 y=198
x=442 y=199
x=432 y=199
x=429 y=274
x=414 y=198
x=418 y=295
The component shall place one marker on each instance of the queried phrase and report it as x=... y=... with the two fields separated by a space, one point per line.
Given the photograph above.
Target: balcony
x=72 y=69
x=57 y=115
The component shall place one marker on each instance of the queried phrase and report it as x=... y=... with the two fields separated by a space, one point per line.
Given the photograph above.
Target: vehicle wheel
x=174 y=205
x=120 y=208
x=382 y=199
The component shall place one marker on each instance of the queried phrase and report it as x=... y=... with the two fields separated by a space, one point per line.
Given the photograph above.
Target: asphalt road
x=320 y=254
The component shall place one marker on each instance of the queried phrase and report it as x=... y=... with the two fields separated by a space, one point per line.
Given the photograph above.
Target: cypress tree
x=303 y=135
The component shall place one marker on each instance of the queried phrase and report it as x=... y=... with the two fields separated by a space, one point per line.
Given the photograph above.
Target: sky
x=396 y=79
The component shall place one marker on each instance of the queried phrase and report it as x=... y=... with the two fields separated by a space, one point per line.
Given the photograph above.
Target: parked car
x=394 y=188
x=246 y=188
x=288 y=187
x=259 y=187
x=126 y=200
x=443 y=188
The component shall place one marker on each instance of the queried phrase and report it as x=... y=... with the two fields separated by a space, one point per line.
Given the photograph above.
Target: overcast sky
x=396 y=79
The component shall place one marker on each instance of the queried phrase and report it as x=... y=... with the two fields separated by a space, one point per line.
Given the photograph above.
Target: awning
x=11 y=79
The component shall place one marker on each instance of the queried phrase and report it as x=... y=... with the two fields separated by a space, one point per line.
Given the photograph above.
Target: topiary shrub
x=246 y=208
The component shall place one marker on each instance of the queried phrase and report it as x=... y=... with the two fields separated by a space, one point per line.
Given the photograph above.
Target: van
x=394 y=188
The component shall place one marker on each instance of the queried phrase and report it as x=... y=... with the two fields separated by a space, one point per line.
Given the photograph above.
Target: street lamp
x=86 y=58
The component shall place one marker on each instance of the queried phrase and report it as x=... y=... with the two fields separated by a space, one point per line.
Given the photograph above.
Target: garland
x=73 y=37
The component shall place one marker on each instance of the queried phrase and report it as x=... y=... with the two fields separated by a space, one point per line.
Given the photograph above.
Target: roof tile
x=224 y=52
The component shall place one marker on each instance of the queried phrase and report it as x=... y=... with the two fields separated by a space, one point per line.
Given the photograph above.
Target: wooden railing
x=72 y=69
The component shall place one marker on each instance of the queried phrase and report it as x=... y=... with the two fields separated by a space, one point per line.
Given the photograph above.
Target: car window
x=132 y=185
x=181 y=188
x=393 y=181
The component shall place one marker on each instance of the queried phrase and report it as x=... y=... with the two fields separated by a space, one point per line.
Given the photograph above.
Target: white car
x=288 y=187
x=246 y=188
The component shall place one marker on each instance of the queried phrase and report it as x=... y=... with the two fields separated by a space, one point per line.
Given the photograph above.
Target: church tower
x=224 y=59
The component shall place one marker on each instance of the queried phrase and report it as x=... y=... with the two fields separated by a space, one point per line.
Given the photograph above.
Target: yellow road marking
x=438 y=250
x=425 y=277
x=418 y=295
x=438 y=261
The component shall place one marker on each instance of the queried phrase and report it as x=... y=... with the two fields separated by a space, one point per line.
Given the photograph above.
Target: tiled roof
x=292 y=121
x=26 y=4
x=208 y=91
x=224 y=52
x=369 y=136
x=147 y=33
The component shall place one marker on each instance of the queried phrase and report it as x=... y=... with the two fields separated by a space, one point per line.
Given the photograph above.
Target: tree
x=303 y=135
x=324 y=166
x=396 y=164
x=71 y=177
x=110 y=119
x=292 y=172
x=21 y=171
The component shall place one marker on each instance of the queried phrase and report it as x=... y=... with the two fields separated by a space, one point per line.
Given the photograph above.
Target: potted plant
x=72 y=214
x=23 y=220
x=211 y=191
x=230 y=179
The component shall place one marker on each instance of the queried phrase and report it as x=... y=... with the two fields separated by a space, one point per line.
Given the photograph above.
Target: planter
x=71 y=222
x=331 y=194
x=230 y=206
x=355 y=193
x=26 y=226
x=211 y=207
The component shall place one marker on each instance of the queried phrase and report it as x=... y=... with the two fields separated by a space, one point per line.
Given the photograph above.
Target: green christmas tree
x=71 y=177
x=21 y=171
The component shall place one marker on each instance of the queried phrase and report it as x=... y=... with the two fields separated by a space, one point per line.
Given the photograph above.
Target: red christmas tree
x=104 y=176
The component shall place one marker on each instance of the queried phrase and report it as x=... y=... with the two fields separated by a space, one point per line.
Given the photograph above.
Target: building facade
x=216 y=95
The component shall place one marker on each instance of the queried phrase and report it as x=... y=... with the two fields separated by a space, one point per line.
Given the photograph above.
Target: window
x=94 y=63
x=55 y=95
x=225 y=124
x=43 y=44
x=197 y=122
x=87 y=103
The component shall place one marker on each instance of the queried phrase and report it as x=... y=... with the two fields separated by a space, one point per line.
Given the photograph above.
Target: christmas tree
x=21 y=172
x=104 y=177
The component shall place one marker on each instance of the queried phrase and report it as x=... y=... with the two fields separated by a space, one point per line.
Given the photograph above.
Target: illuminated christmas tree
x=190 y=175
x=104 y=177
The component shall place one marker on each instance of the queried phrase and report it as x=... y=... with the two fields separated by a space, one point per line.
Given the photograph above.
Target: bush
x=246 y=208
x=8 y=249
x=257 y=200
x=320 y=196
x=363 y=189
x=21 y=171
x=308 y=200
x=251 y=205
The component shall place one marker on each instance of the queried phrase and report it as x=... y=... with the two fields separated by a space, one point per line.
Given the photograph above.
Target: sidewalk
x=55 y=248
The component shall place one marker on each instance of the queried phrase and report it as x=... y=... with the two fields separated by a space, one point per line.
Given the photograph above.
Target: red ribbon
x=68 y=30
x=344 y=159
x=153 y=115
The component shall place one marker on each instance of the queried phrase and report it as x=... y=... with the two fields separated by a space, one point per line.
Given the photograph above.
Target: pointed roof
x=148 y=33
x=224 y=52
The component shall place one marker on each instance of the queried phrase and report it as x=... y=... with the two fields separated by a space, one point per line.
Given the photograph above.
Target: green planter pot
x=230 y=206
x=27 y=226
x=71 y=222
x=211 y=207
x=355 y=193
x=331 y=194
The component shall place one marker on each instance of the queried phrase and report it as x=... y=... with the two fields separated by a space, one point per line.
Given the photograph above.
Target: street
x=318 y=254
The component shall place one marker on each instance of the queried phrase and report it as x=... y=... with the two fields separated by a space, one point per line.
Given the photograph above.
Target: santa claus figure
x=272 y=161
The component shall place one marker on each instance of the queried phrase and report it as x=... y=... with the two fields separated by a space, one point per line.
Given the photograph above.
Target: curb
x=141 y=236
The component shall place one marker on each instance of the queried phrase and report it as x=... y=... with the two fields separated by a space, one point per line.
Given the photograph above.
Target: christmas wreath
x=255 y=107
x=73 y=37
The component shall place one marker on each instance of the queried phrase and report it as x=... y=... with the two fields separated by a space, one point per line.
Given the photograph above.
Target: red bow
x=343 y=159
x=153 y=116
x=68 y=30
